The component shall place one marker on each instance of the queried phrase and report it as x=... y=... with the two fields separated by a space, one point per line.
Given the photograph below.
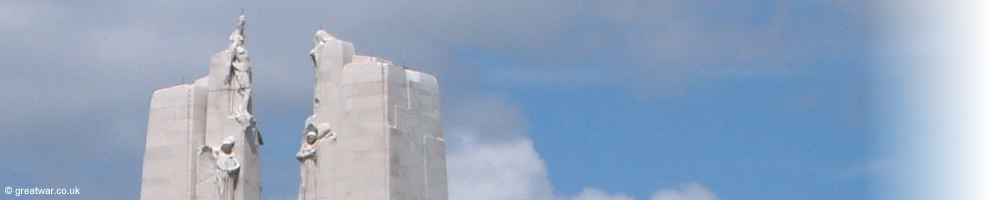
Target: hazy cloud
x=492 y=158
x=597 y=194
x=865 y=169
x=489 y=153
x=686 y=191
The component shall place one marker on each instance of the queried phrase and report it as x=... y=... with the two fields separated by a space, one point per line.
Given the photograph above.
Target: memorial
x=375 y=131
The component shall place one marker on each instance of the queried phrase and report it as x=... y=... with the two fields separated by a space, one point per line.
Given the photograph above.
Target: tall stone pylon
x=375 y=131
x=202 y=140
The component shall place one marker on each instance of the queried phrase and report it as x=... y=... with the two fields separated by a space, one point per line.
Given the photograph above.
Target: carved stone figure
x=321 y=38
x=314 y=135
x=239 y=78
x=222 y=165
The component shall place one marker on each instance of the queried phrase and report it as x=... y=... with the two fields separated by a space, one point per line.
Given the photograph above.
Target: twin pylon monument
x=375 y=131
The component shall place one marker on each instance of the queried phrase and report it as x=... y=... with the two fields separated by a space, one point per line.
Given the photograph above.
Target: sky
x=543 y=99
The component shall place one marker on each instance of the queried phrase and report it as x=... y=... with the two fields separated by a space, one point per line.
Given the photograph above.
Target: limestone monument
x=202 y=140
x=384 y=139
x=375 y=131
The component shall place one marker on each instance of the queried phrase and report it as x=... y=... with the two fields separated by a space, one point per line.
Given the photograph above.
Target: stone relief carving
x=319 y=40
x=239 y=79
x=220 y=164
x=240 y=82
x=314 y=135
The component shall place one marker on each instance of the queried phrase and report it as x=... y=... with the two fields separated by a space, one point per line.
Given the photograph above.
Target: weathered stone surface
x=375 y=132
x=168 y=157
x=387 y=118
x=200 y=116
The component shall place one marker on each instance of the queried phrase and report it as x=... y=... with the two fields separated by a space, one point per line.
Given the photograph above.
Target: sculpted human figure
x=221 y=163
x=321 y=38
x=314 y=135
x=239 y=78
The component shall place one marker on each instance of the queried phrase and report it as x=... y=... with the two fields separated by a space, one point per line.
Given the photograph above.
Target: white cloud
x=597 y=194
x=489 y=154
x=505 y=171
x=490 y=157
x=513 y=170
x=686 y=191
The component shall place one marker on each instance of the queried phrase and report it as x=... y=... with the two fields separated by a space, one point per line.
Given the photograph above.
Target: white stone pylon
x=212 y=114
x=230 y=114
x=386 y=119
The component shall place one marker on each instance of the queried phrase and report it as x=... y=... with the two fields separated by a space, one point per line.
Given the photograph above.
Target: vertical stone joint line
x=425 y=165
x=192 y=173
x=387 y=131
x=395 y=107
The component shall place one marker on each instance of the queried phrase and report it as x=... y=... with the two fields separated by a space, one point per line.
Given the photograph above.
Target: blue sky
x=792 y=134
x=571 y=99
